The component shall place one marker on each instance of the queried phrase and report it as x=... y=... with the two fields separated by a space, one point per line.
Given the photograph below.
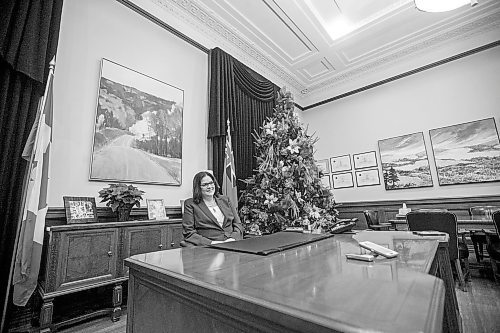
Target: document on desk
x=273 y=243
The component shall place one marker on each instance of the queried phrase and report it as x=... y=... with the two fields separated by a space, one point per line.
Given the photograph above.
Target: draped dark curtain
x=29 y=32
x=246 y=98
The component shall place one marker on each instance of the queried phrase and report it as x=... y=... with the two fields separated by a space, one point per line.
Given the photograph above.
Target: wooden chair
x=443 y=221
x=478 y=238
x=493 y=245
x=372 y=221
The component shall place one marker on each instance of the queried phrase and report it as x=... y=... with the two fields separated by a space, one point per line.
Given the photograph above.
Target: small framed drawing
x=367 y=177
x=156 y=209
x=80 y=210
x=340 y=163
x=342 y=180
x=365 y=160
x=323 y=166
x=326 y=181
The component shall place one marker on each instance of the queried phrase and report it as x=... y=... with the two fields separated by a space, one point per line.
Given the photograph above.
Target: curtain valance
x=245 y=98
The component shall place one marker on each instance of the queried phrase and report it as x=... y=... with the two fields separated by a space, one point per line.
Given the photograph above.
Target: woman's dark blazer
x=200 y=226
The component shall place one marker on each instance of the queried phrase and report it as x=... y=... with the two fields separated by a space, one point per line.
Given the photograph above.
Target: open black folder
x=268 y=244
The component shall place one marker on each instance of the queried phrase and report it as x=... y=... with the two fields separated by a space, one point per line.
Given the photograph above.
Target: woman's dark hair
x=197 y=197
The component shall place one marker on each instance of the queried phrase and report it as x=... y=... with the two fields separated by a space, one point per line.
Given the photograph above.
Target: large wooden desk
x=312 y=288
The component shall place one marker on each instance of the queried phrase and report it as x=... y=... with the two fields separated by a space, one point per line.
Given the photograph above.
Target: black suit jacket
x=200 y=227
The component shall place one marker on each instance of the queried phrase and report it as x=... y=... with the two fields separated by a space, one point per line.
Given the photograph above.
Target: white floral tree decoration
x=286 y=189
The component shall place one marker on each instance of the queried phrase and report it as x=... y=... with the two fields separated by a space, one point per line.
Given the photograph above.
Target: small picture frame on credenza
x=156 y=209
x=80 y=210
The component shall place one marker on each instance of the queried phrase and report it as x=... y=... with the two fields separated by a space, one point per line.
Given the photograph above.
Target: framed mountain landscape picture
x=138 y=128
x=404 y=162
x=467 y=153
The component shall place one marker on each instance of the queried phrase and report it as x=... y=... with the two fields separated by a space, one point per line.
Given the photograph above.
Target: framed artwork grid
x=340 y=163
x=326 y=181
x=323 y=166
x=365 y=160
x=342 y=180
x=367 y=177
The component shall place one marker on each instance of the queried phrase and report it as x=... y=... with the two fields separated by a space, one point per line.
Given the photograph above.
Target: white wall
x=96 y=29
x=464 y=90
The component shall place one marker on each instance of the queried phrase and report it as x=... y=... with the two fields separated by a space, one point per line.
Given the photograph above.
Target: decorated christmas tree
x=286 y=190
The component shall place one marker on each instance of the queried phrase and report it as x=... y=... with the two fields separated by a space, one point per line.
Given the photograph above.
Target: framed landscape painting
x=138 y=128
x=404 y=162
x=467 y=153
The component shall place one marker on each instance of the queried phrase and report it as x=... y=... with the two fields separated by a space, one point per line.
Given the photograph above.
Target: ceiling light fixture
x=436 y=6
x=340 y=27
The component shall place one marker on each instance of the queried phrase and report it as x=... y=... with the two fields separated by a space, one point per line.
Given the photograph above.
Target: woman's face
x=207 y=186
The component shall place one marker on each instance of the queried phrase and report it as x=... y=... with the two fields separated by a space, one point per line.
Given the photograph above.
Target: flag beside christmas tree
x=286 y=189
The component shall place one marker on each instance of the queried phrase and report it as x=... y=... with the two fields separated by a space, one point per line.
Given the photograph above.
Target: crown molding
x=319 y=90
x=212 y=31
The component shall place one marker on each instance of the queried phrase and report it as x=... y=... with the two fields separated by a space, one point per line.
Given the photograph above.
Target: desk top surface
x=317 y=283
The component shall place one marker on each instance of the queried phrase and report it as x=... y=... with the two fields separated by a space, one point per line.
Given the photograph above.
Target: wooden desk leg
x=451 y=318
x=46 y=312
x=117 y=302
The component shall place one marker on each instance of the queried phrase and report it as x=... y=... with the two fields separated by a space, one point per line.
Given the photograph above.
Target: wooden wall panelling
x=57 y=215
x=389 y=208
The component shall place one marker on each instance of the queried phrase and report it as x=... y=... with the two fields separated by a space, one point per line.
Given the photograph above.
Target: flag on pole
x=29 y=246
x=229 y=188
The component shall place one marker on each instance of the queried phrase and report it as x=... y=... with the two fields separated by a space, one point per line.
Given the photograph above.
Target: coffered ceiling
x=320 y=49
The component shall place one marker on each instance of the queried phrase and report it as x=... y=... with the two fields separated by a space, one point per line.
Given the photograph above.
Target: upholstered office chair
x=493 y=245
x=478 y=239
x=443 y=221
x=372 y=221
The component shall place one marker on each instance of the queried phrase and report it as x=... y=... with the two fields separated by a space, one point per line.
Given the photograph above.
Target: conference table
x=309 y=288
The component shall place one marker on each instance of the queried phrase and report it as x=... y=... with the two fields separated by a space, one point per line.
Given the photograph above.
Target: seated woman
x=209 y=217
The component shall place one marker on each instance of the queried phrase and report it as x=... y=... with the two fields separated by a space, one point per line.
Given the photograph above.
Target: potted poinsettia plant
x=121 y=198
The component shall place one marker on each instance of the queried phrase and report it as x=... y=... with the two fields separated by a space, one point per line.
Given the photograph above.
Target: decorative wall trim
x=162 y=24
x=214 y=29
x=389 y=208
x=405 y=74
x=463 y=32
x=57 y=215
x=223 y=36
x=463 y=201
x=261 y=63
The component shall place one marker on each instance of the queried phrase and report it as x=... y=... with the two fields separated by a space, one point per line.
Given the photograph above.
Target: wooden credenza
x=78 y=257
